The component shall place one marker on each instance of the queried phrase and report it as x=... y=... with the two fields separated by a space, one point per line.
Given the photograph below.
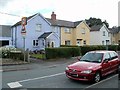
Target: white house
x=5 y=35
x=100 y=35
x=40 y=33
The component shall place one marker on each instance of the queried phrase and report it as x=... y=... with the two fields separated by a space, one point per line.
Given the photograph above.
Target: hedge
x=85 y=49
x=62 y=52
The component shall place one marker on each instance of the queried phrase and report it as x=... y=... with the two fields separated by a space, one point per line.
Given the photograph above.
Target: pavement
x=34 y=63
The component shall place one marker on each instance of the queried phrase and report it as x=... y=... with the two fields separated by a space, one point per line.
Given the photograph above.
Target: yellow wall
x=76 y=33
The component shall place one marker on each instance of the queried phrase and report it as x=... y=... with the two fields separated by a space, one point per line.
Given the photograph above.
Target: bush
x=62 y=52
x=13 y=53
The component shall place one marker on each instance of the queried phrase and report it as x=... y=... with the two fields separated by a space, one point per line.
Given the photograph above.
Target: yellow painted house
x=115 y=35
x=78 y=34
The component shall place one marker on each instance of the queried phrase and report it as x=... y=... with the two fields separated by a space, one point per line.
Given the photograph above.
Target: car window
x=113 y=55
x=92 y=57
x=106 y=56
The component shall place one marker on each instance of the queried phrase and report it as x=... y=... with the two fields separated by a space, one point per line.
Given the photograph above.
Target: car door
x=113 y=61
x=105 y=64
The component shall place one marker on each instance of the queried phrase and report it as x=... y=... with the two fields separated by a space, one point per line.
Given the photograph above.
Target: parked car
x=93 y=66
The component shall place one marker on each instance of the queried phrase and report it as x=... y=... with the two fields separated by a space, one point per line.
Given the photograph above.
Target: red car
x=93 y=65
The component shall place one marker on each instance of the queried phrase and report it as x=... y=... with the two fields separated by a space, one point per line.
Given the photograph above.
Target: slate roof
x=61 y=23
x=45 y=35
x=114 y=30
x=19 y=23
x=96 y=27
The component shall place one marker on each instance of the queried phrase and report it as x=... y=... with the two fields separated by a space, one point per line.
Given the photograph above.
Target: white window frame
x=67 y=42
x=38 y=27
x=104 y=33
x=35 y=43
x=67 y=30
x=83 y=30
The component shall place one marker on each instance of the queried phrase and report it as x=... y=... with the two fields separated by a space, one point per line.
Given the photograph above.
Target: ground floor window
x=67 y=42
x=84 y=42
x=35 y=43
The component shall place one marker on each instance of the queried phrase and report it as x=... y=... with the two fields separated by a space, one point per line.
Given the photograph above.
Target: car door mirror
x=105 y=60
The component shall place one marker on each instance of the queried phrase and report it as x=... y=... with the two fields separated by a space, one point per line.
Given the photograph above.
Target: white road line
x=1 y=70
x=17 y=83
x=101 y=82
x=14 y=85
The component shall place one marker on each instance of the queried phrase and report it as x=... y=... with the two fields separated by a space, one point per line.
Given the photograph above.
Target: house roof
x=114 y=30
x=96 y=27
x=45 y=35
x=19 y=23
x=61 y=23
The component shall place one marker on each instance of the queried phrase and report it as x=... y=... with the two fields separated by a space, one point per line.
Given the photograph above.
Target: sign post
x=23 y=32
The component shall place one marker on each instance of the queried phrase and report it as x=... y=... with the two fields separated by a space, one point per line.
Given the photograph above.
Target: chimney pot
x=53 y=16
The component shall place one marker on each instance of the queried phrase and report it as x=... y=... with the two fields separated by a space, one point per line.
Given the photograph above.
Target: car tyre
x=97 y=77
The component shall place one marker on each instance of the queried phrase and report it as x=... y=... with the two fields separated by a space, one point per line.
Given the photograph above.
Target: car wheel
x=97 y=77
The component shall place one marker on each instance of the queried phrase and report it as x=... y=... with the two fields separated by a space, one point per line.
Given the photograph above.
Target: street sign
x=24 y=21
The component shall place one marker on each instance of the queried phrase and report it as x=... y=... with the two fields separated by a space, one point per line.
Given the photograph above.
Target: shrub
x=62 y=52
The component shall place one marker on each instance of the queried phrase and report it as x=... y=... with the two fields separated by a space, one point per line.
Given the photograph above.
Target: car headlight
x=86 y=71
x=67 y=68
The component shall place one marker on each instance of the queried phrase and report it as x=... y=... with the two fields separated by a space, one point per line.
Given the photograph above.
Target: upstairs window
x=83 y=31
x=67 y=30
x=103 y=33
x=38 y=27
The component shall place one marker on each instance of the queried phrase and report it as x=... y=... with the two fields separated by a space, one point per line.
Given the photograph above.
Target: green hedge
x=85 y=49
x=62 y=52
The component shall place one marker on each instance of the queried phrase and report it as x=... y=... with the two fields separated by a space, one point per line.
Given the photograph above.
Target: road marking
x=14 y=85
x=101 y=82
x=17 y=83
x=1 y=70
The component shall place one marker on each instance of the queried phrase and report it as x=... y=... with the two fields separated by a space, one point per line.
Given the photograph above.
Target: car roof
x=100 y=51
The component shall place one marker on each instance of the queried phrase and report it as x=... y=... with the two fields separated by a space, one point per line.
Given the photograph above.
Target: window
x=35 y=43
x=106 y=56
x=52 y=44
x=102 y=42
x=113 y=55
x=84 y=42
x=38 y=27
x=67 y=30
x=103 y=33
x=54 y=29
x=83 y=31
x=67 y=42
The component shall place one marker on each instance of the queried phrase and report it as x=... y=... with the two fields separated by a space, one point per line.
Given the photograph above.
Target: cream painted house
x=79 y=34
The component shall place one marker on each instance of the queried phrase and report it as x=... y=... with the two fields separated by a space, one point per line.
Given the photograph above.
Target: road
x=52 y=77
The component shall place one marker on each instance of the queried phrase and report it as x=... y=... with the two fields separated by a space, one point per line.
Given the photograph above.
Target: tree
x=95 y=21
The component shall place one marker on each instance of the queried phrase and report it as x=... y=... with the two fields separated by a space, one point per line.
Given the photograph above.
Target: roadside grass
x=38 y=56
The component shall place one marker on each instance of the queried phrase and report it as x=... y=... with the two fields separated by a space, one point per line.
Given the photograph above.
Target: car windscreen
x=92 y=57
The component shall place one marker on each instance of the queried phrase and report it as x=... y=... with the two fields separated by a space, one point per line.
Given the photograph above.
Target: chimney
x=53 y=16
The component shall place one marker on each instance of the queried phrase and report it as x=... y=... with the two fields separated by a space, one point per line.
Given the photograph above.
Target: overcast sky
x=71 y=10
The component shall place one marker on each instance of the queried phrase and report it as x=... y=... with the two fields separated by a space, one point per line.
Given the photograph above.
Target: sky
x=11 y=11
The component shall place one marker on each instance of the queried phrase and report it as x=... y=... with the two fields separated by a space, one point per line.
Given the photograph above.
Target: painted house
x=5 y=35
x=39 y=34
x=100 y=35
x=44 y=32
x=77 y=34
x=115 y=35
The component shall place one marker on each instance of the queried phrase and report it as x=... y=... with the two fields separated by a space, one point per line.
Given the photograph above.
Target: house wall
x=97 y=38
x=80 y=35
x=67 y=36
x=32 y=33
